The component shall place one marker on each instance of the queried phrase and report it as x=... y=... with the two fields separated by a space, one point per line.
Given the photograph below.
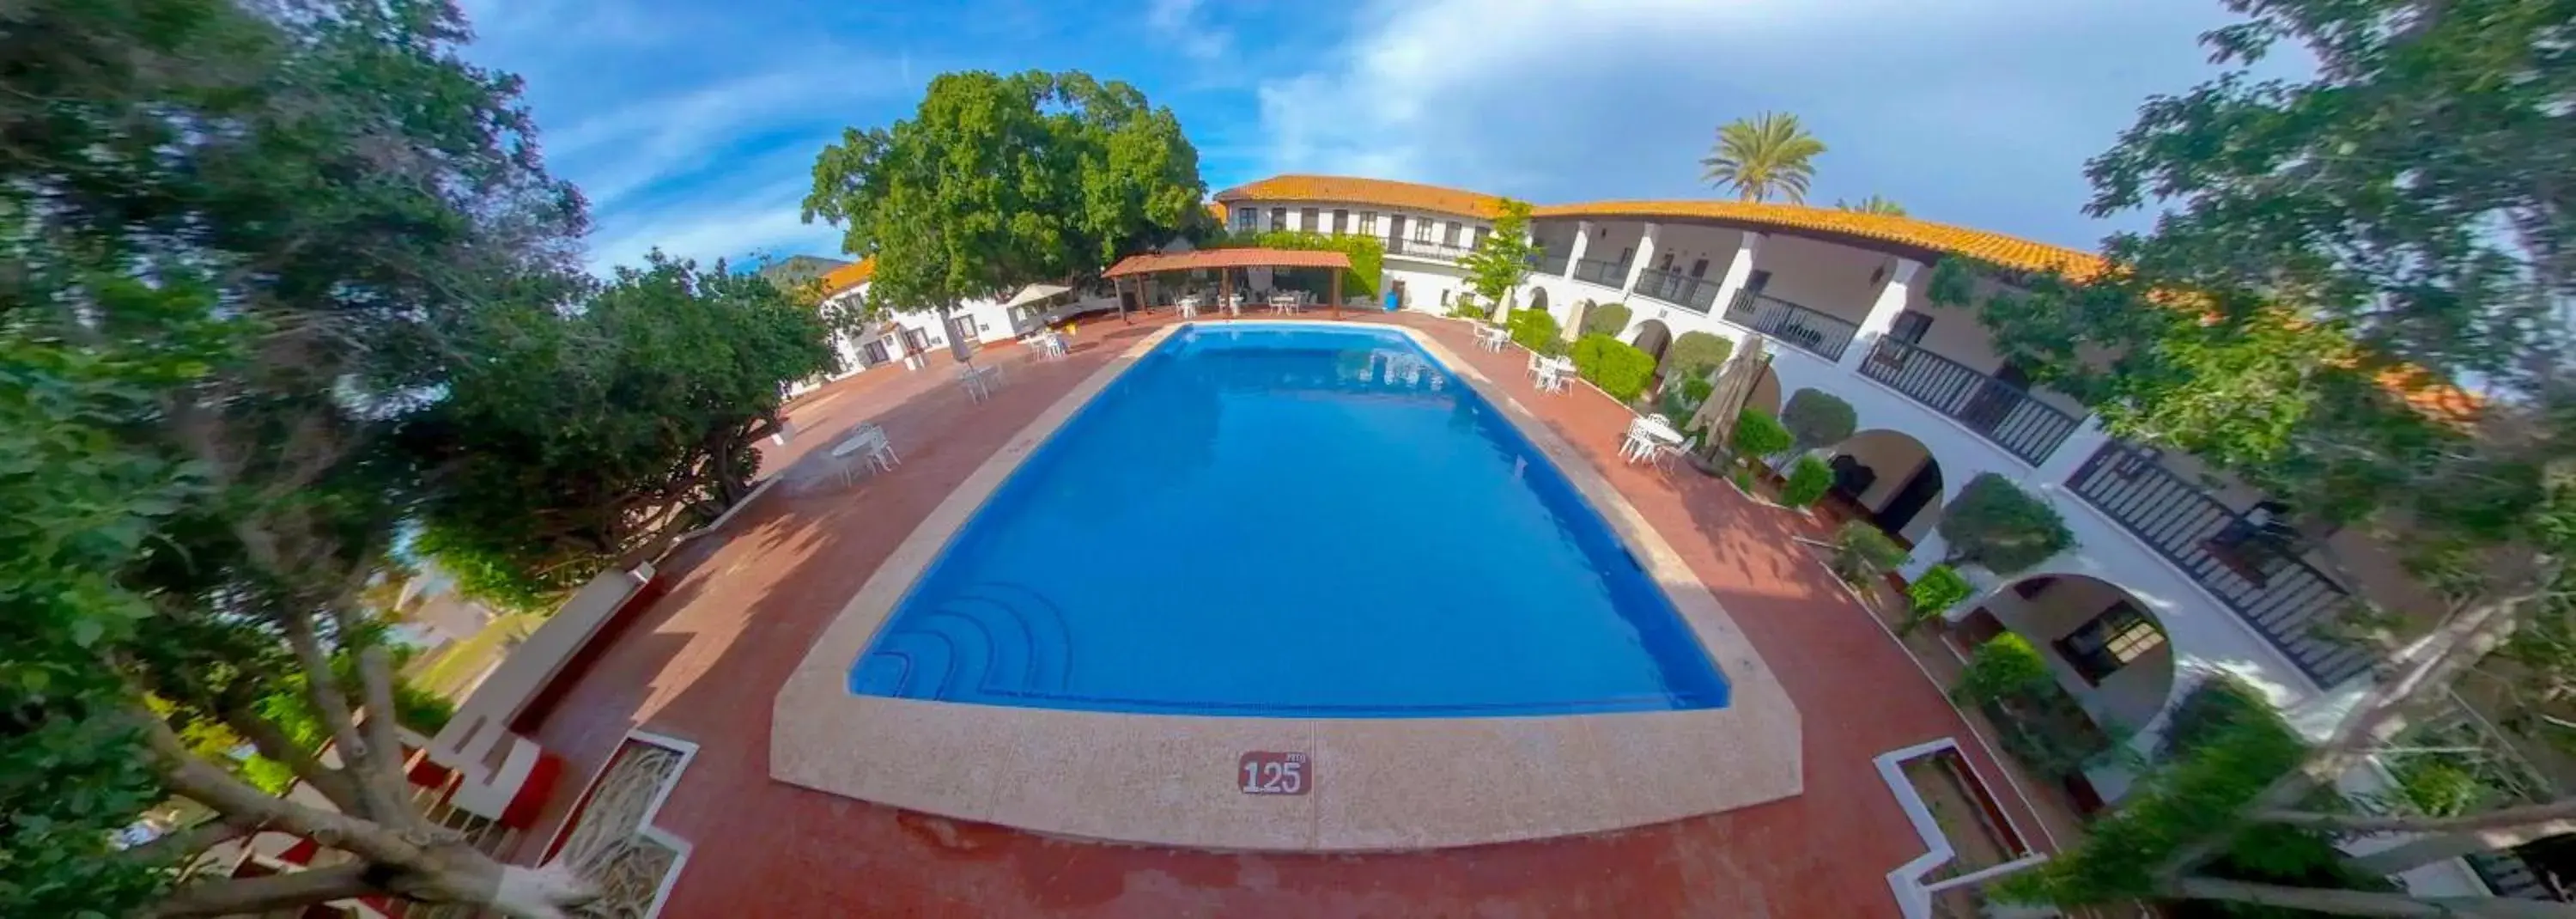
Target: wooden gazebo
x=1144 y=267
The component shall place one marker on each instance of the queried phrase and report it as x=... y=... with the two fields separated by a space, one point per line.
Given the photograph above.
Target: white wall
x=2129 y=697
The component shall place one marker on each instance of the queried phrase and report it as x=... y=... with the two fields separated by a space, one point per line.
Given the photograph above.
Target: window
x=1910 y=326
x=2099 y=648
x=1699 y=269
x=1368 y=222
x=1444 y=298
x=1627 y=254
x=1422 y=231
x=1476 y=236
x=1666 y=264
x=1341 y=221
x=1246 y=220
x=1306 y=221
x=1449 y=233
x=1758 y=281
x=1278 y=218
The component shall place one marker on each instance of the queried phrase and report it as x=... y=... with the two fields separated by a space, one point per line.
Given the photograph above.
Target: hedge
x=1758 y=434
x=1808 y=481
x=1536 y=330
x=1996 y=524
x=1816 y=418
x=1617 y=367
x=1694 y=355
x=1606 y=319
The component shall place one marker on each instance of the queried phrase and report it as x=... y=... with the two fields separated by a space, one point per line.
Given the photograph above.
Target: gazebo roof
x=1151 y=263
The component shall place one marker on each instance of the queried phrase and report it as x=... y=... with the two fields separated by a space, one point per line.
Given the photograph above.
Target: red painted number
x=1262 y=772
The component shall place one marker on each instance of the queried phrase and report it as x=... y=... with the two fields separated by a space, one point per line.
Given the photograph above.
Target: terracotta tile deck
x=704 y=661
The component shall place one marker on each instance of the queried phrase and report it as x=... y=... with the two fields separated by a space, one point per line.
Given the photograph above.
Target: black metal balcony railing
x=1606 y=274
x=1548 y=263
x=1824 y=335
x=1424 y=248
x=2250 y=568
x=1694 y=294
x=2003 y=413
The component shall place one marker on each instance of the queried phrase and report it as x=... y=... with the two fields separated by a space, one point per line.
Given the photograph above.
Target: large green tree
x=1764 y=157
x=999 y=181
x=2341 y=262
x=580 y=436
x=1500 y=263
x=241 y=245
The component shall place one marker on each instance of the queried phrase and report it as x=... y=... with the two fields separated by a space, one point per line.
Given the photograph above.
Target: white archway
x=1893 y=479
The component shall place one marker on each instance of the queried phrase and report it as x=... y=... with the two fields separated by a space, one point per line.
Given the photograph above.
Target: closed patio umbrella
x=1735 y=382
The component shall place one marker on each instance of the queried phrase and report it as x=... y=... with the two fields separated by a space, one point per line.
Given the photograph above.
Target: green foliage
x=1616 y=366
x=1464 y=306
x=1996 y=524
x=998 y=181
x=1871 y=205
x=1764 y=157
x=582 y=435
x=1608 y=319
x=1695 y=355
x=1940 y=588
x=1757 y=434
x=243 y=243
x=1863 y=554
x=1743 y=479
x=1808 y=481
x=1537 y=331
x=1684 y=399
x=1367 y=254
x=1816 y=418
x=1500 y=261
x=2005 y=667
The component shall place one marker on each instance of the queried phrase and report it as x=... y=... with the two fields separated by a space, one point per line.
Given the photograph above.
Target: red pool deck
x=703 y=662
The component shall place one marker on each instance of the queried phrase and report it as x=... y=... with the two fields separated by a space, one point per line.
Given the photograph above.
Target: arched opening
x=1653 y=337
x=2105 y=648
x=1766 y=393
x=1889 y=479
x=1538 y=298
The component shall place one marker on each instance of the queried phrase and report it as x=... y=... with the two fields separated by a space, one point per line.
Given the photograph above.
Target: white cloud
x=1978 y=113
x=1178 y=22
x=717 y=224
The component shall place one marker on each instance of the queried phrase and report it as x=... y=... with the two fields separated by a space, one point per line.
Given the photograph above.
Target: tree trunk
x=2437 y=847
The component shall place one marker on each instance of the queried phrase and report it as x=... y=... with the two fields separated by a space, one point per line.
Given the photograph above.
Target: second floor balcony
x=1811 y=330
x=1612 y=275
x=1548 y=263
x=2005 y=414
x=1697 y=295
x=1429 y=249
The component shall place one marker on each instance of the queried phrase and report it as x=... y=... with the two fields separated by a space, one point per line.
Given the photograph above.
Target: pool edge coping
x=1380 y=784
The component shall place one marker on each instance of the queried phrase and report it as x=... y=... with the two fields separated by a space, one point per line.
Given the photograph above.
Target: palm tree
x=1871 y=205
x=1768 y=155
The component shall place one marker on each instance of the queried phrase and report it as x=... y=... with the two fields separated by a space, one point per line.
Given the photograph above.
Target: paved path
x=703 y=662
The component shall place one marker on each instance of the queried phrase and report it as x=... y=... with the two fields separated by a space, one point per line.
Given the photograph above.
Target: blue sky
x=692 y=124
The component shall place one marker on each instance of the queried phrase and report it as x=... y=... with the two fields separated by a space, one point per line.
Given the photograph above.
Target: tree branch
x=192 y=777
x=178 y=846
x=2561 y=809
x=268 y=893
x=271 y=742
x=2362 y=902
x=332 y=705
x=384 y=745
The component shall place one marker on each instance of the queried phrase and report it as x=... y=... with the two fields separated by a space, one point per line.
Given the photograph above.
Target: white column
x=2079 y=446
x=1645 y=253
x=1582 y=241
x=1739 y=270
x=1882 y=312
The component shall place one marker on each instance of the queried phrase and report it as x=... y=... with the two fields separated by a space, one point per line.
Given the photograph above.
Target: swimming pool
x=1289 y=520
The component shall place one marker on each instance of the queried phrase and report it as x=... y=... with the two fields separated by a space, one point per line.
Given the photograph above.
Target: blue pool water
x=1289 y=521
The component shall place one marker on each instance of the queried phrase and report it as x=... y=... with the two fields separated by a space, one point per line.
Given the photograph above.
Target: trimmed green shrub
x=1694 y=355
x=1537 y=331
x=1862 y=553
x=1606 y=319
x=1743 y=479
x=1816 y=418
x=1808 y=481
x=1683 y=400
x=1617 y=367
x=1463 y=306
x=1996 y=524
x=1757 y=434
x=1932 y=594
x=2005 y=667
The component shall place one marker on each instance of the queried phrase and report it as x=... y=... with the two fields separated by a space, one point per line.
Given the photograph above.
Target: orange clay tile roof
x=2007 y=251
x=1366 y=191
x=1153 y=262
x=849 y=276
x=2010 y=252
